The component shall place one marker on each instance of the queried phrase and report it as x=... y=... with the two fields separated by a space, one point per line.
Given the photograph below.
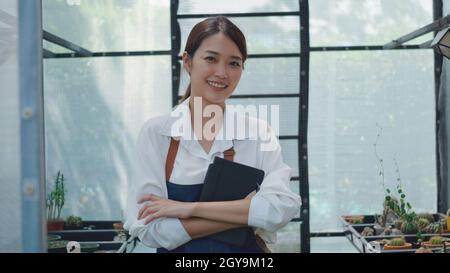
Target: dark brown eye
x=236 y=64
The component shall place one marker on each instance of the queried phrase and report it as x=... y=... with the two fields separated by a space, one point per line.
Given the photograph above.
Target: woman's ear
x=187 y=62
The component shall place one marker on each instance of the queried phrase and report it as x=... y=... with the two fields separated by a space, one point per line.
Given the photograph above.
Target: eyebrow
x=217 y=53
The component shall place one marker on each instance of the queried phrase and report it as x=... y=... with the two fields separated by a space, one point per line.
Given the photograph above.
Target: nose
x=221 y=71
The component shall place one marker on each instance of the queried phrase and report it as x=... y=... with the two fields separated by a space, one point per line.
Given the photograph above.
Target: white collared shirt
x=271 y=208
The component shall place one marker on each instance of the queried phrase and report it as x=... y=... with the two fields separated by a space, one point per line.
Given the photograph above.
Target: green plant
x=74 y=221
x=396 y=203
x=397 y=242
x=436 y=240
x=423 y=223
x=56 y=198
x=410 y=227
x=434 y=228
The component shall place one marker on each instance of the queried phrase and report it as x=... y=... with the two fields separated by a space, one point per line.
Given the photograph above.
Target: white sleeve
x=149 y=177
x=275 y=204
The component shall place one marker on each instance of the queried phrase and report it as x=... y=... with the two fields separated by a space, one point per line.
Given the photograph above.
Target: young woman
x=164 y=211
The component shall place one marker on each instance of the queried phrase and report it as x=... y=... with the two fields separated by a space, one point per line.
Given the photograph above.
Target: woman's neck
x=201 y=116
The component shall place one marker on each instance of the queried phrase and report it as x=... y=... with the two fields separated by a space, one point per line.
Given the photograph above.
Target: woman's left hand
x=161 y=207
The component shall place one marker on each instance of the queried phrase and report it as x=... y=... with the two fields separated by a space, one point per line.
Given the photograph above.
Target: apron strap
x=172 y=154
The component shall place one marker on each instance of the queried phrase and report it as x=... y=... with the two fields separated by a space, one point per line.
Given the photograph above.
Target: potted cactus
x=436 y=241
x=396 y=244
x=74 y=222
x=55 y=203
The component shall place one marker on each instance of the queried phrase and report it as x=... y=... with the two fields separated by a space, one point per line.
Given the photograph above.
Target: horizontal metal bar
x=259 y=96
x=66 y=44
x=48 y=53
x=288 y=137
x=249 y=14
x=295 y=178
x=270 y=55
x=115 y=54
x=274 y=55
x=435 y=26
x=327 y=234
x=358 y=48
x=250 y=56
x=296 y=219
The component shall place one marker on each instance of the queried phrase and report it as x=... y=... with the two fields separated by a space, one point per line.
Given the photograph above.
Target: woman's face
x=215 y=69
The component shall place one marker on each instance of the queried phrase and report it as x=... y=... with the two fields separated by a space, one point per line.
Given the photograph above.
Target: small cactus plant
x=74 y=221
x=409 y=228
x=433 y=228
x=387 y=231
x=397 y=242
x=436 y=240
x=368 y=232
x=423 y=223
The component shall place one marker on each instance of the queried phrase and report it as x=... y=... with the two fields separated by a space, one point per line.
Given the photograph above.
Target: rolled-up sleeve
x=275 y=204
x=148 y=178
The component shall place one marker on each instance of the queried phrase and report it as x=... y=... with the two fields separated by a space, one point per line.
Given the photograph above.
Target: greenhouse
x=348 y=153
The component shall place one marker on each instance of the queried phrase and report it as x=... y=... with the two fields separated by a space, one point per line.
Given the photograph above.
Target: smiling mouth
x=217 y=85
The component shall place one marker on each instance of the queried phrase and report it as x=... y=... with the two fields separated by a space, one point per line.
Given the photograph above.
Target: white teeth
x=218 y=85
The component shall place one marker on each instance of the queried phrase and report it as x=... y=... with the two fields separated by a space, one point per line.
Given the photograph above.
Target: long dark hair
x=209 y=27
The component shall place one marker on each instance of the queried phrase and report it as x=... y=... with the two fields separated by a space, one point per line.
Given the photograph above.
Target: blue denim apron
x=191 y=193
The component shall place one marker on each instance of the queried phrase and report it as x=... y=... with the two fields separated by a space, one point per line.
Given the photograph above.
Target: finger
x=152 y=217
x=148 y=212
x=141 y=211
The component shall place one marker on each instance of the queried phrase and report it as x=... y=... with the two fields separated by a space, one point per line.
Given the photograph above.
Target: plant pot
x=118 y=226
x=405 y=246
x=55 y=225
x=351 y=219
x=429 y=245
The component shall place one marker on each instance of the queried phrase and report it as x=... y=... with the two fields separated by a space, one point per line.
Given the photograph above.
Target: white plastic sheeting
x=10 y=202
